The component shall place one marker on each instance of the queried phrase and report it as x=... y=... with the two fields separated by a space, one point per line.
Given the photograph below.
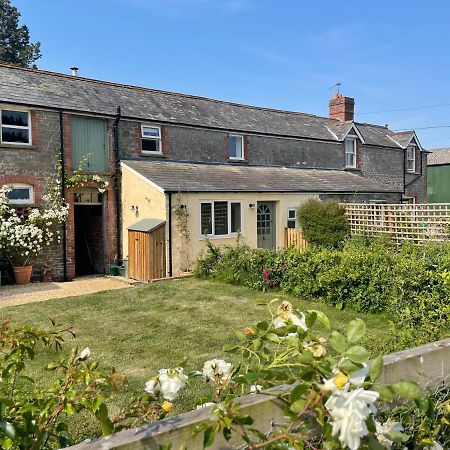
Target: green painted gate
x=265 y=225
x=89 y=143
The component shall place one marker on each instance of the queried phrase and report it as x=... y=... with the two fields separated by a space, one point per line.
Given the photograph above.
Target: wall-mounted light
x=251 y=205
x=183 y=206
x=135 y=208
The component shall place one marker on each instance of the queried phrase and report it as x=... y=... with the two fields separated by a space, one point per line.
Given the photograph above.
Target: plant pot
x=23 y=274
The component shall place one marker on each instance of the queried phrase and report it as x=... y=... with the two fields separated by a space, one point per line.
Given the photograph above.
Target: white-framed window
x=350 y=152
x=151 y=139
x=292 y=218
x=21 y=194
x=15 y=127
x=235 y=146
x=220 y=218
x=411 y=158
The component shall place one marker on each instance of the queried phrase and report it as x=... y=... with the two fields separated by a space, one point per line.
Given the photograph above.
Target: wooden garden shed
x=147 y=250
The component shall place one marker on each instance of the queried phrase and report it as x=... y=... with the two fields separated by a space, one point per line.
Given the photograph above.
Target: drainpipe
x=170 y=234
x=117 y=185
x=63 y=190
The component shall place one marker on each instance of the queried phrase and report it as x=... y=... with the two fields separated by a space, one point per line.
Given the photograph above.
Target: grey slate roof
x=147 y=225
x=439 y=156
x=42 y=88
x=198 y=177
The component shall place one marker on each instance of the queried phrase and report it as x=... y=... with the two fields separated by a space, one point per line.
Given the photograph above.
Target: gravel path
x=39 y=292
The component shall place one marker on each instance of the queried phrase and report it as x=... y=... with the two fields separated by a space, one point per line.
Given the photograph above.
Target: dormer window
x=236 y=146
x=15 y=127
x=411 y=158
x=350 y=152
x=151 y=139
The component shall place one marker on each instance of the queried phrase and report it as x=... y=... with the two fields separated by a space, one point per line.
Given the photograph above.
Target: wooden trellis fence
x=294 y=237
x=415 y=223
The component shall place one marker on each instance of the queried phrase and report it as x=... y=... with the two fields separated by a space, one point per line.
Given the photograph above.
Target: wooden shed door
x=146 y=254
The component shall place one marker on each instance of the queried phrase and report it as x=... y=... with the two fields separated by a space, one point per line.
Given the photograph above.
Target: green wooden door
x=89 y=144
x=265 y=225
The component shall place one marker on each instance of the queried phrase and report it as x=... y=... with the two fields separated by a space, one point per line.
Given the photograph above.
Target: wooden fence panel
x=428 y=364
x=294 y=237
x=415 y=223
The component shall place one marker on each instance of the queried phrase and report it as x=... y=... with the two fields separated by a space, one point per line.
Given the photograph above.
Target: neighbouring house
x=438 y=180
x=182 y=168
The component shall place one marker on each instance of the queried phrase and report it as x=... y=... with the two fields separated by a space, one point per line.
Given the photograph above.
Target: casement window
x=292 y=218
x=411 y=158
x=350 y=153
x=21 y=194
x=235 y=146
x=220 y=218
x=151 y=139
x=15 y=127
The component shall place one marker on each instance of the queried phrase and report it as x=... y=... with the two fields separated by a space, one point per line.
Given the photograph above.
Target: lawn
x=141 y=329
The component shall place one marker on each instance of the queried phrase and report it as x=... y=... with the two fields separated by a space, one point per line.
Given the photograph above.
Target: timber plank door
x=147 y=254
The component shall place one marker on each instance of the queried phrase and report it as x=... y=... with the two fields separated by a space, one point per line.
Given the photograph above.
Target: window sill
x=17 y=146
x=154 y=154
x=238 y=160
x=352 y=169
x=223 y=236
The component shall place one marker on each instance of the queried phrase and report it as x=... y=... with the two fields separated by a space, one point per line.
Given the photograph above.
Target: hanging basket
x=23 y=274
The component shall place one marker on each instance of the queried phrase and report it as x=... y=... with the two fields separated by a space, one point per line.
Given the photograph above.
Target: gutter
x=117 y=186
x=63 y=190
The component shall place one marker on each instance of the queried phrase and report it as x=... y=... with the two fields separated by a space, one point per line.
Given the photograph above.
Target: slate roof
x=54 y=90
x=201 y=177
x=439 y=156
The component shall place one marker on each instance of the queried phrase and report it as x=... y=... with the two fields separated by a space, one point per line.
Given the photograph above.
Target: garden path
x=38 y=292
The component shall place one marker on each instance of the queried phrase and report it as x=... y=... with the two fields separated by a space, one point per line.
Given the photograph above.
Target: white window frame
x=219 y=236
x=350 y=139
x=413 y=159
x=29 y=201
x=19 y=127
x=237 y=158
x=147 y=138
x=288 y=219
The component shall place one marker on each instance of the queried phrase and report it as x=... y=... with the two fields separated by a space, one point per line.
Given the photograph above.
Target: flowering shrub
x=23 y=238
x=80 y=178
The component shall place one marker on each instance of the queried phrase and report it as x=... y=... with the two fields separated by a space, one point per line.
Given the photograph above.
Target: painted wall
x=197 y=242
x=151 y=203
x=439 y=184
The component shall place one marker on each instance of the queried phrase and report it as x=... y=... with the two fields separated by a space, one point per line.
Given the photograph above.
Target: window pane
x=150 y=132
x=350 y=146
x=235 y=146
x=291 y=223
x=350 y=159
x=291 y=213
x=19 y=194
x=150 y=145
x=235 y=217
x=220 y=218
x=15 y=135
x=206 y=218
x=16 y=118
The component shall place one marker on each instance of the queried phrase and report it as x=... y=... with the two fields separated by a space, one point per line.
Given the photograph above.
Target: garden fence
x=428 y=365
x=294 y=237
x=416 y=223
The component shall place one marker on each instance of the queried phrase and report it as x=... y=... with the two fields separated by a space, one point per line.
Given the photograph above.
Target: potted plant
x=23 y=238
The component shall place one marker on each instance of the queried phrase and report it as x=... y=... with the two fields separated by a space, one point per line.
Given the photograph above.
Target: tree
x=15 y=45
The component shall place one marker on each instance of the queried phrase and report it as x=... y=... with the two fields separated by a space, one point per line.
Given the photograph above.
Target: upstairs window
x=15 y=127
x=350 y=153
x=151 y=139
x=411 y=158
x=220 y=218
x=292 y=218
x=236 y=146
x=21 y=194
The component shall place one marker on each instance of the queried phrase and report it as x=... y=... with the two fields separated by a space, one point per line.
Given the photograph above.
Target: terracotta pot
x=23 y=274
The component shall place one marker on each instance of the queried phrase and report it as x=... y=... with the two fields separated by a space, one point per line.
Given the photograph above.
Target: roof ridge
x=142 y=88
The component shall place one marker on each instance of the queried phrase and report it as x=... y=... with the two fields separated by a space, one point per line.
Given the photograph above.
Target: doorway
x=89 y=235
x=265 y=225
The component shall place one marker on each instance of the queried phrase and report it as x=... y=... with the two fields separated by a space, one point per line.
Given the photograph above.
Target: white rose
x=386 y=428
x=171 y=381
x=349 y=411
x=357 y=378
x=218 y=371
x=298 y=321
x=84 y=354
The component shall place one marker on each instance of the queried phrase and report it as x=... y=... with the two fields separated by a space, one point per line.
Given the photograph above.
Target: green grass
x=142 y=329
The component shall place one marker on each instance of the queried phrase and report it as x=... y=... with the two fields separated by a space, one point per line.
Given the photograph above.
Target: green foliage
x=410 y=284
x=15 y=45
x=323 y=223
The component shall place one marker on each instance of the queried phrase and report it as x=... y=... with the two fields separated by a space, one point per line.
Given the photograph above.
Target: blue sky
x=282 y=54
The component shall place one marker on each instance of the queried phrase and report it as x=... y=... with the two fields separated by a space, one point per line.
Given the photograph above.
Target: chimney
x=74 y=71
x=341 y=108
